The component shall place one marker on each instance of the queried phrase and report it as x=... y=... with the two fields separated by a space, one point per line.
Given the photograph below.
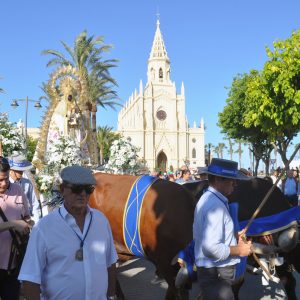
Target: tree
x=274 y=97
x=86 y=57
x=208 y=148
x=232 y=118
x=105 y=138
x=230 y=148
x=221 y=147
x=31 y=146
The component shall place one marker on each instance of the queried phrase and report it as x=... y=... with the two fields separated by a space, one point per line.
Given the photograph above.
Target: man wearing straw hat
x=19 y=165
x=216 y=249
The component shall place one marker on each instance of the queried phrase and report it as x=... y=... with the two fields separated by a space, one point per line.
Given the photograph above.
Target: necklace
x=79 y=252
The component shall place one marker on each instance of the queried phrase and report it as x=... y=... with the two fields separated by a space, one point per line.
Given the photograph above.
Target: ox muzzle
x=284 y=241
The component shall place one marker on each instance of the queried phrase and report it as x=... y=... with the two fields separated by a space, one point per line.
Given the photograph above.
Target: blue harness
x=132 y=214
x=260 y=226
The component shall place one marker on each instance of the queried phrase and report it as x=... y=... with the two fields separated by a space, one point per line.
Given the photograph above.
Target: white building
x=154 y=117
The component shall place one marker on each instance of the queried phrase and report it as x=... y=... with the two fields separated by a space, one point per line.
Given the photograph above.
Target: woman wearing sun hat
x=18 y=167
x=216 y=249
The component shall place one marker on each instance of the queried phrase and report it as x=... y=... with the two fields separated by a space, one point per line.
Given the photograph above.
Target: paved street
x=136 y=275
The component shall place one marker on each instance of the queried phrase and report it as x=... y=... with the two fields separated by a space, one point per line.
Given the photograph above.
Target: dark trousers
x=9 y=286
x=215 y=283
x=292 y=199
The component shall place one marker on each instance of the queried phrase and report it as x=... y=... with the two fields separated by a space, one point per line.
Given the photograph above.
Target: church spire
x=158 y=63
x=158 y=47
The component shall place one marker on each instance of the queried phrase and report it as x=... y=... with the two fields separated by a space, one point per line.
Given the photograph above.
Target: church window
x=161 y=115
x=194 y=153
x=160 y=74
x=194 y=140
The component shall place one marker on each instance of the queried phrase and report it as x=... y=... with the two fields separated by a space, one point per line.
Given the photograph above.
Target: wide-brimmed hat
x=224 y=168
x=18 y=162
x=77 y=175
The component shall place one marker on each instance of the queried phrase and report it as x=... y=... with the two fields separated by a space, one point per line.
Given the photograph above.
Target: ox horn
x=288 y=239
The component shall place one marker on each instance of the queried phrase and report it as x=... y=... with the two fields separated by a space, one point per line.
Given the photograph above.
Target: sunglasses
x=78 y=189
x=3 y=160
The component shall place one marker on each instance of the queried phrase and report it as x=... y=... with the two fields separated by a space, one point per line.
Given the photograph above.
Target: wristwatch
x=114 y=297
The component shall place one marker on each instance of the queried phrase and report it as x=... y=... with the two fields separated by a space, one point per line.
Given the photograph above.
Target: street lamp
x=37 y=105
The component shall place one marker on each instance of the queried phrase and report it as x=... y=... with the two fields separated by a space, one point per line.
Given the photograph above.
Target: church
x=154 y=118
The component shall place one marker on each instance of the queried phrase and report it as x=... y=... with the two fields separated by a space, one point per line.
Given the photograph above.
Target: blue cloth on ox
x=260 y=226
x=270 y=224
x=132 y=213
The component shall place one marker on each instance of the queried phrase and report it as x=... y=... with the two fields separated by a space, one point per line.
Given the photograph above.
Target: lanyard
x=81 y=240
x=225 y=203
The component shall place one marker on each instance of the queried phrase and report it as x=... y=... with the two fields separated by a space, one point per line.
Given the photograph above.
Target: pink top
x=15 y=206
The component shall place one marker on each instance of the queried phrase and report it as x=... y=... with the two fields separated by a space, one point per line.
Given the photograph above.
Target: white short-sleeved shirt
x=50 y=256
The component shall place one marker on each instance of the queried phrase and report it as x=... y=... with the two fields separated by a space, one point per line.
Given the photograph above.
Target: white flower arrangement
x=11 y=138
x=61 y=153
x=123 y=158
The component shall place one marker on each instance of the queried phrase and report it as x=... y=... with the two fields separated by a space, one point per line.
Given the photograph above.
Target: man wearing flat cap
x=71 y=254
x=18 y=166
x=217 y=251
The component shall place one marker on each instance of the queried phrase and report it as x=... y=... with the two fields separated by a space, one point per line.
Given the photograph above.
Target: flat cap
x=77 y=175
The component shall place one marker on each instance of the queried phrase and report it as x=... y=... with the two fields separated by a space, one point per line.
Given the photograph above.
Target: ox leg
x=236 y=287
x=119 y=291
x=285 y=274
x=169 y=272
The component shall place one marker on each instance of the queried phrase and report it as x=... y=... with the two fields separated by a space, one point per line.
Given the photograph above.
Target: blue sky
x=208 y=43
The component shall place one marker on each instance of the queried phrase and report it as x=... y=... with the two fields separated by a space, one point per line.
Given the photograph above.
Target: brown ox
x=166 y=220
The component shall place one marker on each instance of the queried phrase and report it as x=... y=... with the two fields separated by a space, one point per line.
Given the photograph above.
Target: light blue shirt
x=213 y=231
x=50 y=256
x=33 y=203
x=290 y=187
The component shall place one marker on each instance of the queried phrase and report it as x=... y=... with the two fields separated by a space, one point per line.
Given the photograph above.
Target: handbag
x=18 y=248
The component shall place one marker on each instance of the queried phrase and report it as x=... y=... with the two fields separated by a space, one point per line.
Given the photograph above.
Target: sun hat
x=18 y=162
x=77 y=175
x=224 y=168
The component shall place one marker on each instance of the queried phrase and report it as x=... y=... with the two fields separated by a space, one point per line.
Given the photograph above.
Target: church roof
x=158 y=47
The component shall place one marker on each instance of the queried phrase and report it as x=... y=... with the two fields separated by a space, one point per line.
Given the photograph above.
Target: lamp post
x=37 y=105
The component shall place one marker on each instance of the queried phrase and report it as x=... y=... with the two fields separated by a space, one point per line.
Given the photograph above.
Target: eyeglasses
x=77 y=189
x=3 y=160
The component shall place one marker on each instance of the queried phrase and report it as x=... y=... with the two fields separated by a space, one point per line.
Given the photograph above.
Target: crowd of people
x=288 y=182
x=71 y=253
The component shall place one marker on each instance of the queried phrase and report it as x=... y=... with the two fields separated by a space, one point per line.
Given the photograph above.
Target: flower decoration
x=61 y=153
x=123 y=158
x=11 y=138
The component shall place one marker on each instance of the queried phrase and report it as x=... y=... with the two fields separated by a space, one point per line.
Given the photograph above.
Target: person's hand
x=20 y=226
x=244 y=246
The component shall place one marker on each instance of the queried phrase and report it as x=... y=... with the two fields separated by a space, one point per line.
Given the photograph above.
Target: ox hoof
x=157 y=280
x=182 y=277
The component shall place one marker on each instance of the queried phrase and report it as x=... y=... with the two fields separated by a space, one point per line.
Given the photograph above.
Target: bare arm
x=112 y=277
x=18 y=225
x=31 y=290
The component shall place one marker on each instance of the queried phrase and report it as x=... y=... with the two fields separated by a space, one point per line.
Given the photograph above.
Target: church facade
x=154 y=118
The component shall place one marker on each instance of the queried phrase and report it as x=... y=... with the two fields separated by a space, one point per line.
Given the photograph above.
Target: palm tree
x=221 y=147
x=217 y=150
x=105 y=137
x=230 y=148
x=86 y=58
x=239 y=151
